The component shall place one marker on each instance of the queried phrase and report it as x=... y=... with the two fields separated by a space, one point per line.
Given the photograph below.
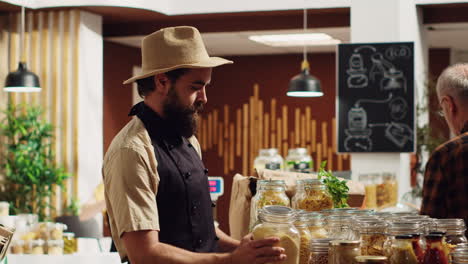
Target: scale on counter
x=216 y=185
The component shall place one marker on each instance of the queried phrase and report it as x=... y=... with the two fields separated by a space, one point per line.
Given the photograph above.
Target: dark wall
x=118 y=66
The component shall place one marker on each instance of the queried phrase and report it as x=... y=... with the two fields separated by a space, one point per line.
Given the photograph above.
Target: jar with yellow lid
x=278 y=221
x=311 y=195
x=269 y=192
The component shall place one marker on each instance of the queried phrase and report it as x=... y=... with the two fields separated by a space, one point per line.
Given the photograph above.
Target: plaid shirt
x=445 y=190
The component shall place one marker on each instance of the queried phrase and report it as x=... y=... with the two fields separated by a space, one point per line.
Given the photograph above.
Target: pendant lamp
x=304 y=84
x=22 y=80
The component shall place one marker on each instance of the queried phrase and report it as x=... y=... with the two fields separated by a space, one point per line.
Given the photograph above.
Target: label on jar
x=273 y=166
x=299 y=166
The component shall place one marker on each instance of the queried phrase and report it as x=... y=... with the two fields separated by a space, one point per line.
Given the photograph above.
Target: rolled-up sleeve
x=131 y=187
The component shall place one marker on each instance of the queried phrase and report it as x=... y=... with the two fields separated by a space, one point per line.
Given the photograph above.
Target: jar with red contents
x=435 y=252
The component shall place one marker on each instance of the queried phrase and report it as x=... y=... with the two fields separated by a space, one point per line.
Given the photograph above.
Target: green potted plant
x=28 y=163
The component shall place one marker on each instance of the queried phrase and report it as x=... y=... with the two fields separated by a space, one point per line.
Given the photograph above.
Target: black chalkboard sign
x=375 y=106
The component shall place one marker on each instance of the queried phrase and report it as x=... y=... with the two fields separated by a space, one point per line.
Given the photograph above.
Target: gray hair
x=454 y=81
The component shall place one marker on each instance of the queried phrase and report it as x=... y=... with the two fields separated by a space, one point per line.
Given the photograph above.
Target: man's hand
x=257 y=251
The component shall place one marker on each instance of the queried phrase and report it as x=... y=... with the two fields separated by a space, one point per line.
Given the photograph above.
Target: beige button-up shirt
x=131 y=182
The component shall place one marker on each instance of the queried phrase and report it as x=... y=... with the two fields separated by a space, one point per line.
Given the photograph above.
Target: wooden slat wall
x=254 y=125
x=51 y=51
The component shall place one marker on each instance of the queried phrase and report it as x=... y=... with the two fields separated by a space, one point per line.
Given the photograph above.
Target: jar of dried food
x=339 y=227
x=55 y=247
x=371 y=259
x=455 y=230
x=36 y=247
x=401 y=250
x=269 y=159
x=315 y=224
x=4 y=208
x=278 y=221
x=412 y=229
x=312 y=195
x=319 y=251
x=370 y=187
x=70 y=243
x=269 y=192
x=387 y=190
x=373 y=235
x=343 y=251
x=435 y=251
x=299 y=160
x=301 y=224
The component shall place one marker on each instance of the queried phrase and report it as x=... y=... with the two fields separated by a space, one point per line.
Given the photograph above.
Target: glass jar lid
x=279 y=185
x=450 y=224
x=268 y=152
x=37 y=243
x=298 y=151
x=308 y=218
x=319 y=244
x=276 y=214
x=345 y=242
x=69 y=235
x=372 y=225
x=405 y=228
x=362 y=212
x=371 y=259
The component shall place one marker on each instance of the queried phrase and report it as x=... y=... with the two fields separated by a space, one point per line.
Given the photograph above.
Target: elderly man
x=156 y=186
x=445 y=190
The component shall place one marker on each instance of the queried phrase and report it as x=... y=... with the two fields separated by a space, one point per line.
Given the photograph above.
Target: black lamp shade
x=304 y=85
x=22 y=80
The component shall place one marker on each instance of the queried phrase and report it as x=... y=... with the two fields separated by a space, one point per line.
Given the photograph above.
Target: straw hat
x=173 y=48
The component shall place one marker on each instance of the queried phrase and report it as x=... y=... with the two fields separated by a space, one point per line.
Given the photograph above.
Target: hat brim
x=211 y=62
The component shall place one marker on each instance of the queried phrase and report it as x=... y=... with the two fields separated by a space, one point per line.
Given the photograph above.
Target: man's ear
x=452 y=105
x=161 y=83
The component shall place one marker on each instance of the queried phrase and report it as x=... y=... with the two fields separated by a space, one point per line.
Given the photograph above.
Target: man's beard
x=182 y=119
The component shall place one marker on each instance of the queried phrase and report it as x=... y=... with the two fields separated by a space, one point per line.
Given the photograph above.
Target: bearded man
x=156 y=185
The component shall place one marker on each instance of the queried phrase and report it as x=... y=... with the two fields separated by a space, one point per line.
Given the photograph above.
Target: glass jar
x=339 y=227
x=301 y=224
x=371 y=259
x=455 y=230
x=400 y=250
x=413 y=230
x=269 y=159
x=364 y=212
x=373 y=236
x=4 y=208
x=425 y=221
x=70 y=243
x=460 y=255
x=277 y=221
x=319 y=251
x=36 y=247
x=269 y=192
x=435 y=251
x=343 y=251
x=370 y=190
x=55 y=247
x=17 y=246
x=387 y=190
x=299 y=160
x=316 y=225
x=311 y=195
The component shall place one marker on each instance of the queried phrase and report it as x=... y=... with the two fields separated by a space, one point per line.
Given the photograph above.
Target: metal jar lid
x=371 y=259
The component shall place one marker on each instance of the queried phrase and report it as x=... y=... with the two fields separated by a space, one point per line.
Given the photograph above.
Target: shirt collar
x=157 y=127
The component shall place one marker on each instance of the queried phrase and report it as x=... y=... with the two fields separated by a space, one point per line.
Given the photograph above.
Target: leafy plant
x=336 y=187
x=28 y=163
x=73 y=208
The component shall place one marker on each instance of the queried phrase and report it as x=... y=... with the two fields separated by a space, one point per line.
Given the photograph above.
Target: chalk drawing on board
x=357 y=73
x=398 y=108
x=392 y=78
x=398 y=51
x=398 y=133
x=358 y=133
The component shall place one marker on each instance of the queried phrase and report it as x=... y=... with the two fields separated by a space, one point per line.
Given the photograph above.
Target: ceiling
x=446 y=35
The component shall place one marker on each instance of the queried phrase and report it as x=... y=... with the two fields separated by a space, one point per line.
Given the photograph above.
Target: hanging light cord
x=305 y=63
x=22 y=33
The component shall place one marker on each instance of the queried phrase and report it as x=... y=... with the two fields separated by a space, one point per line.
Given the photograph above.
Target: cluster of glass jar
x=298 y=160
x=346 y=236
x=33 y=237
